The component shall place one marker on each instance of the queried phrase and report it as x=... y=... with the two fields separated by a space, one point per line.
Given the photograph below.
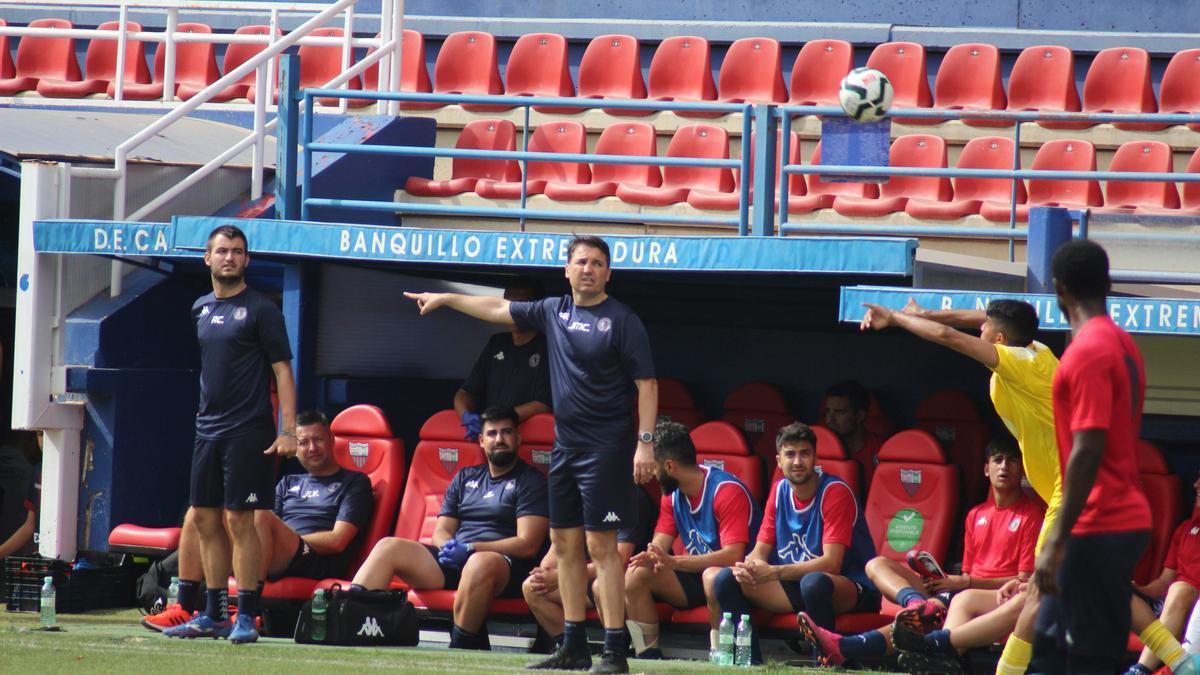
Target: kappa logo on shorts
x=612 y=517
x=910 y=479
x=252 y=499
x=370 y=628
x=359 y=453
x=239 y=314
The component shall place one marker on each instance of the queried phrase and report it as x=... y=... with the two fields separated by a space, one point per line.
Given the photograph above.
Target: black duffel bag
x=362 y=619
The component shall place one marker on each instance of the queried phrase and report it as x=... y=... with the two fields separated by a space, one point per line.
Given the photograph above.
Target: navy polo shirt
x=240 y=337
x=487 y=508
x=509 y=375
x=596 y=353
x=308 y=503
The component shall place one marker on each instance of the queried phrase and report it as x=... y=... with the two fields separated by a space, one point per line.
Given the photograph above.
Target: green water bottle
x=318 y=615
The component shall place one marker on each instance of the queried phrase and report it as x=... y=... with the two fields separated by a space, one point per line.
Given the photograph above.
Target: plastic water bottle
x=725 y=639
x=745 y=633
x=318 y=615
x=173 y=591
x=48 y=620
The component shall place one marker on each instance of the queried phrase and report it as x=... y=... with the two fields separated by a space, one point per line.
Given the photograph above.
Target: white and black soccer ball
x=865 y=94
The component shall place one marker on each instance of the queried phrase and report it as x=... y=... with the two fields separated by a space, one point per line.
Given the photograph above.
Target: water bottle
x=725 y=637
x=173 y=592
x=318 y=615
x=745 y=633
x=47 y=618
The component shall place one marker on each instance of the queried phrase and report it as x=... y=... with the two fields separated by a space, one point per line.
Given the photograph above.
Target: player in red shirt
x=1090 y=552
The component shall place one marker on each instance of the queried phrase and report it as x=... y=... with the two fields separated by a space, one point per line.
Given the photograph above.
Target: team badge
x=604 y=325
x=359 y=453
x=333 y=487
x=239 y=314
x=911 y=480
x=541 y=460
x=1014 y=524
x=449 y=459
x=715 y=463
x=535 y=360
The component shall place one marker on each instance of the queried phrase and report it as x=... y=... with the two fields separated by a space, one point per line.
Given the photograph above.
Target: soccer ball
x=865 y=94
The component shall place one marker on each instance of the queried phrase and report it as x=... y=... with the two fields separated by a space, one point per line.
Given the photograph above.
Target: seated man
x=511 y=371
x=997 y=548
x=846 y=406
x=714 y=515
x=541 y=588
x=23 y=540
x=317 y=516
x=812 y=549
x=19 y=452
x=490 y=530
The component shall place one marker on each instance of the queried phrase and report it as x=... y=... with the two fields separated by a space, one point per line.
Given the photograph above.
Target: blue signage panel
x=1155 y=316
x=106 y=238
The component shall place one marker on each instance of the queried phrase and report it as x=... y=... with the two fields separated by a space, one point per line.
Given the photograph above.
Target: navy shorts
x=591 y=489
x=233 y=472
x=1083 y=628
x=693 y=588
x=518 y=570
x=308 y=564
x=869 y=597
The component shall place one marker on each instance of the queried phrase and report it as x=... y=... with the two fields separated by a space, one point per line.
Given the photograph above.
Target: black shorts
x=591 y=489
x=309 y=564
x=868 y=600
x=233 y=472
x=518 y=569
x=1084 y=628
x=693 y=588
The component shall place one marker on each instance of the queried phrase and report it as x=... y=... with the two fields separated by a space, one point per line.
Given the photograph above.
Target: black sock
x=870 y=643
x=216 y=603
x=575 y=637
x=248 y=603
x=189 y=592
x=461 y=638
x=614 y=640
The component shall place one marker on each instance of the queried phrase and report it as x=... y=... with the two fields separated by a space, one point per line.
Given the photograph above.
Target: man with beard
x=812 y=548
x=713 y=515
x=846 y=407
x=243 y=344
x=599 y=352
x=488 y=535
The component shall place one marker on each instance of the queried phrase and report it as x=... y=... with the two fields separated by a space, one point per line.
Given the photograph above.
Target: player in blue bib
x=812 y=549
x=712 y=514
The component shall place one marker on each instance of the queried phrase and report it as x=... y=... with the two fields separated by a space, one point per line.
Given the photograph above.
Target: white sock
x=1191 y=634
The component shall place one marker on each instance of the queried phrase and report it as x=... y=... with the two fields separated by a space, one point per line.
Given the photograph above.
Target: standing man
x=511 y=371
x=243 y=344
x=1090 y=552
x=598 y=348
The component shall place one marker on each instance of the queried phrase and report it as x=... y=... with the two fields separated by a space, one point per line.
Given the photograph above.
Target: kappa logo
x=1194 y=531
x=612 y=517
x=981 y=522
x=239 y=314
x=910 y=479
x=294 y=488
x=695 y=543
x=795 y=551
x=510 y=485
x=358 y=453
x=472 y=484
x=217 y=320
x=499 y=356
x=252 y=499
x=604 y=325
x=535 y=360
x=565 y=316
x=204 y=311
x=370 y=628
x=1014 y=524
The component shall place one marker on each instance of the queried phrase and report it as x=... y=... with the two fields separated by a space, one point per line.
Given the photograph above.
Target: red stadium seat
x=100 y=66
x=195 y=65
x=547 y=137
x=821 y=194
x=1118 y=81
x=137 y=540
x=467 y=64
x=1148 y=156
x=722 y=445
x=1061 y=155
x=439 y=455
x=681 y=70
x=912 y=150
x=1162 y=488
x=321 y=63
x=1043 y=78
x=466 y=171
x=699 y=141
x=951 y=416
x=537 y=441
x=985 y=152
x=414 y=73
x=969 y=79
x=1178 y=90
x=611 y=68
x=43 y=58
x=537 y=66
x=235 y=55
x=7 y=68
x=758 y=409
x=818 y=71
x=832 y=459
x=904 y=65
x=675 y=404
x=624 y=138
x=728 y=201
x=913 y=499
x=752 y=72
x=1190 y=201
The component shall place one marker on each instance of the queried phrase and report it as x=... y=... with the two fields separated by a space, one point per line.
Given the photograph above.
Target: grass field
x=110 y=641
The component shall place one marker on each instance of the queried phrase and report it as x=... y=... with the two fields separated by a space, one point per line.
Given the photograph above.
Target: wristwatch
x=646 y=437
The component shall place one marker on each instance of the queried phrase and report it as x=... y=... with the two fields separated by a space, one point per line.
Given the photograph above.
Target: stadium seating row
x=930 y=198
x=969 y=77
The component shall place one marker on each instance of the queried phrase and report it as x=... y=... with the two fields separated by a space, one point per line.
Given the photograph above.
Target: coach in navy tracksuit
x=489 y=534
x=598 y=352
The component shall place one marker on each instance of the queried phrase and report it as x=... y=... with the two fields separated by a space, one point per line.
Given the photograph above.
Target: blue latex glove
x=473 y=425
x=454 y=554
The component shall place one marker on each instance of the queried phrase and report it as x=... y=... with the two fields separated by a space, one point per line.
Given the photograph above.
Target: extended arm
x=485 y=307
x=957 y=318
x=981 y=350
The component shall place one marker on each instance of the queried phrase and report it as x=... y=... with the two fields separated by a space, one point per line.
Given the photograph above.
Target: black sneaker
x=930 y=664
x=907 y=638
x=564 y=659
x=611 y=662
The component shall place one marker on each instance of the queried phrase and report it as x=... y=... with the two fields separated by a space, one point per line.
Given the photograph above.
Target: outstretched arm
x=878 y=318
x=957 y=318
x=485 y=307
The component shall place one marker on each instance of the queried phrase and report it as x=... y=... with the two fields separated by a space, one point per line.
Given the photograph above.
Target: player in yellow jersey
x=1022 y=375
